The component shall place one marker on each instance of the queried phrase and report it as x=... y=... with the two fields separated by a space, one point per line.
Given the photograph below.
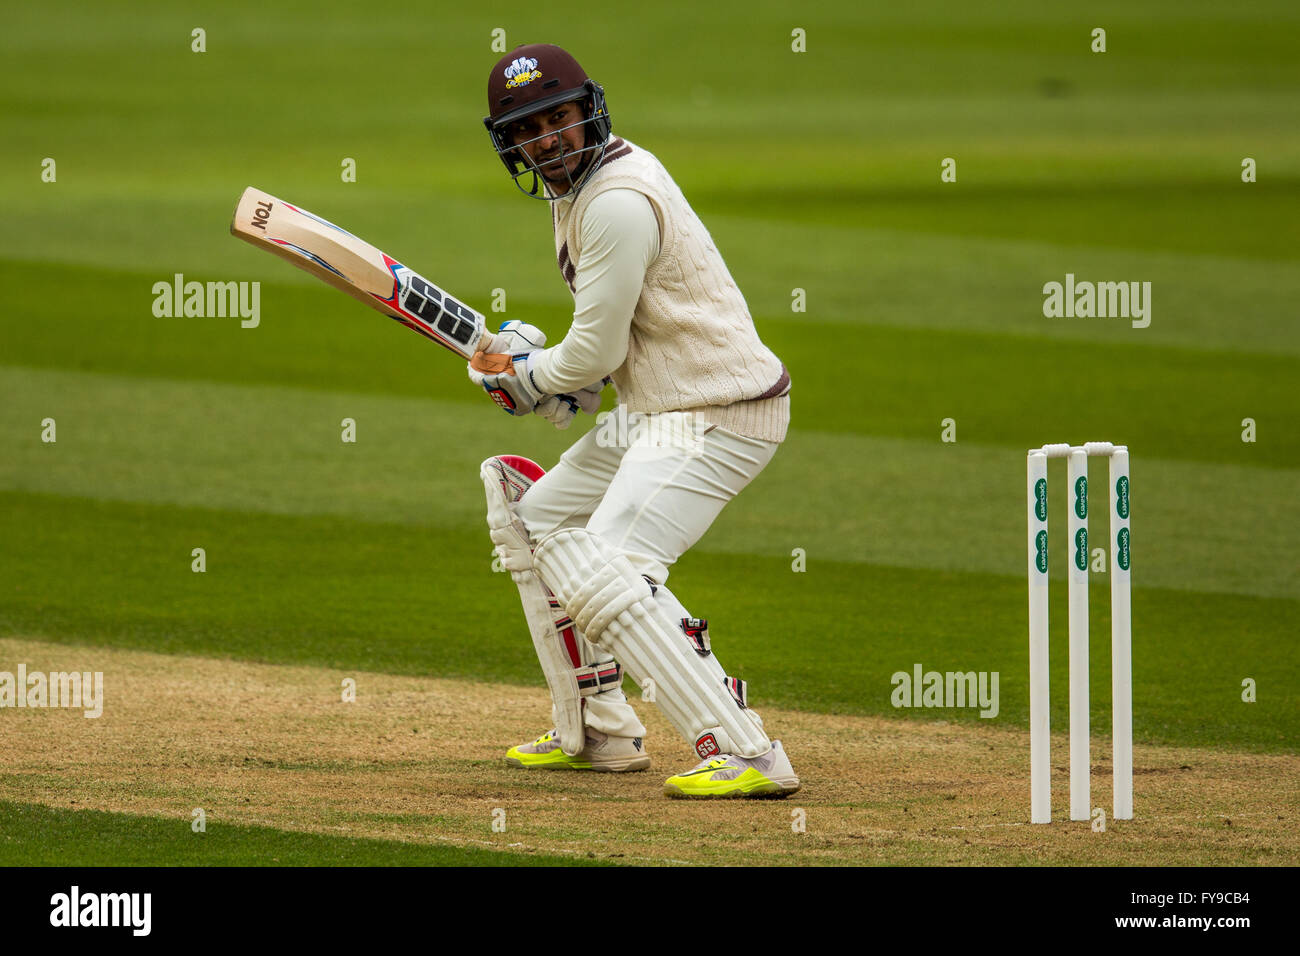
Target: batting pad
x=570 y=675
x=505 y=480
x=614 y=606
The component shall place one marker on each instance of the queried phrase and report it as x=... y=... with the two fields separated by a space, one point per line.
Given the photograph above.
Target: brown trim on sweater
x=616 y=150
x=567 y=269
x=780 y=388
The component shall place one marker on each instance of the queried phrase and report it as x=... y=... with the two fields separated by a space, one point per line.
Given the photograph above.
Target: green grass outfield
x=816 y=171
x=44 y=836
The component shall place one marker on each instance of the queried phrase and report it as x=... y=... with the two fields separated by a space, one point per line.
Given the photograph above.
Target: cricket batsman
x=703 y=405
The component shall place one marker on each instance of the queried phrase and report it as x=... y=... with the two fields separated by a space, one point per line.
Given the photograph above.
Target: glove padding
x=502 y=371
x=517 y=336
x=560 y=410
x=514 y=340
x=508 y=379
x=513 y=336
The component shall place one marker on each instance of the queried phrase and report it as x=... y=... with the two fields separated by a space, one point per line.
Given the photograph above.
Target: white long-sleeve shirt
x=620 y=239
x=655 y=307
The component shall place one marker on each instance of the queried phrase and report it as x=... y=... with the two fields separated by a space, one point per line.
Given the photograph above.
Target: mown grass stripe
x=37 y=835
x=913 y=501
x=408 y=601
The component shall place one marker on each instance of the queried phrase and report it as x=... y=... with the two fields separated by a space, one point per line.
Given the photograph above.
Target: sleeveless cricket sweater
x=692 y=346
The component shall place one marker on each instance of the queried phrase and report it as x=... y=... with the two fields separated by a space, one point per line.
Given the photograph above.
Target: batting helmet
x=536 y=77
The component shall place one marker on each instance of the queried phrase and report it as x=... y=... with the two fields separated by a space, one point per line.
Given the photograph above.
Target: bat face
x=356 y=267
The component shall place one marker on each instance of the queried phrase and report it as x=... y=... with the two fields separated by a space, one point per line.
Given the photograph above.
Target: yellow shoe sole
x=557 y=759
x=750 y=784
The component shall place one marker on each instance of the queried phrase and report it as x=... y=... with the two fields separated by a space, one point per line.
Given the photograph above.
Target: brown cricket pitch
x=420 y=760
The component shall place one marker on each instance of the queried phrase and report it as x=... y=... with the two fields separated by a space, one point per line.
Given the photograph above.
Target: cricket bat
x=356 y=267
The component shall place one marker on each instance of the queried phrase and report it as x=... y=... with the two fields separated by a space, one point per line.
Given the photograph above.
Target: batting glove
x=513 y=336
x=560 y=410
x=517 y=336
x=508 y=379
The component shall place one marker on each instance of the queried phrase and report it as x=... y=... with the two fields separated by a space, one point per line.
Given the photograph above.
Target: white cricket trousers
x=650 y=485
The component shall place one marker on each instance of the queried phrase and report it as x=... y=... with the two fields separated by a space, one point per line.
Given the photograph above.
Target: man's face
x=551 y=140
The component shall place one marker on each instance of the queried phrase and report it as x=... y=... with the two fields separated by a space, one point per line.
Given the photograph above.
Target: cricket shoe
x=769 y=776
x=602 y=753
